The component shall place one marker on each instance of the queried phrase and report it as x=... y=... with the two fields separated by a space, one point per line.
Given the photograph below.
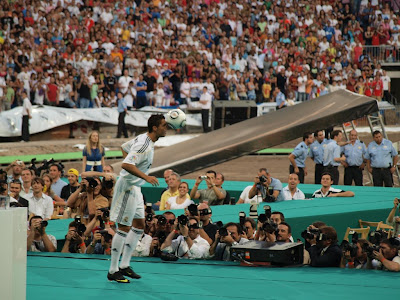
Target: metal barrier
x=383 y=53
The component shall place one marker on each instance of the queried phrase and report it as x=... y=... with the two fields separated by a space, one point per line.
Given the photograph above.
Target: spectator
x=15 y=188
x=213 y=195
x=26 y=176
x=123 y=111
x=93 y=153
x=328 y=191
x=174 y=181
x=26 y=115
x=291 y=191
x=205 y=104
x=16 y=168
x=55 y=174
x=39 y=203
x=38 y=239
x=181 y=201
x=72 y=186
x=393 y=220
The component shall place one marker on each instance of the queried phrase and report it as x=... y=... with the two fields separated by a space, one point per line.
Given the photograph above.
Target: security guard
x=317 y=154
x=299 y=155
x=381 y=160
x=354 y=164
x=332 y=158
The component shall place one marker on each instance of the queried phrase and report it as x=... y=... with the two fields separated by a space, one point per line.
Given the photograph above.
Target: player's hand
x=152 y=180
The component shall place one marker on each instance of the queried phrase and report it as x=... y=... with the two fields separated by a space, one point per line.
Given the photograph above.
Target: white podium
x=13 y=230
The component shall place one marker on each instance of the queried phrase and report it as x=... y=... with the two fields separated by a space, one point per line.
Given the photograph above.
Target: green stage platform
x=79 y=276
x=370 y=203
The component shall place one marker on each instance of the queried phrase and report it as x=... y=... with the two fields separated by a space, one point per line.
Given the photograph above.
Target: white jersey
x=140 y=154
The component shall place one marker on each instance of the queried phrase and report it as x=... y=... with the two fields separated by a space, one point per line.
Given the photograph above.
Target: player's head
x=154 y=120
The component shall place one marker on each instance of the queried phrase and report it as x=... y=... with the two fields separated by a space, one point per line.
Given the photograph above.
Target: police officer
x=317 y=154
x=332 y=158
x=354 y=164
x=299 y=155
x=381 y=160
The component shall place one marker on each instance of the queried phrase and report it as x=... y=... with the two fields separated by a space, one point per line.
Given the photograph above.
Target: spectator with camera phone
x=387 y=258
x=225 y=238
x=213 y=195
x=324 y=250
x=267 y=187
x=38 y=239
x=16 y=169
x=189 y=243
x=203 y=214
x=39 y=203
x=74 y=240
x=393 y=220
x=87 y=198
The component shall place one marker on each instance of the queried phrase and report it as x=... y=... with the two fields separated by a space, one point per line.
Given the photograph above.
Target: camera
x=266 y=215
x=263 y=178
x=242 y=218
x=310 y=233
x=205 y=212
x=44 y=224
x=369 y=249
x=107 y=237
x=107 y=184
x=203 y=177
x=106 y=212
x=352 y=247
x=183 y=220
x=223 y=232
x=81 y=228
x=192 y=208
x=92 y=182
x=161 y=220
x=270 y=227
x=376 y=236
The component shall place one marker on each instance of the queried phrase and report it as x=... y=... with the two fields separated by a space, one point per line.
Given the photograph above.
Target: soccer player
x=127 y=209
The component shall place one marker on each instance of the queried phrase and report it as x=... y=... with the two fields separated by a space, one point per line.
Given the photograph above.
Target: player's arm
x=124 y=154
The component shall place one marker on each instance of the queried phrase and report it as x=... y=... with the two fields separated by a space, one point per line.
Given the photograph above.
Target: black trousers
x=25 y=128
x=382 y=176
x=121 y=125
x=204 y=119
x=319 y=169
x=334 y=172
x=300 y=174
x=353 y=173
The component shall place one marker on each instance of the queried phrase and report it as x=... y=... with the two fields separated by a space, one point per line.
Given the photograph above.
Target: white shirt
x=206 y=97
x=123 y=83
x=172 y=201
x=287 y=195
x=185 y=88
x=27 y=107
x=42 y=206
x=386 y=81
x=245 y=196
x=199 y=248
x=140 y=154
x=143 y=246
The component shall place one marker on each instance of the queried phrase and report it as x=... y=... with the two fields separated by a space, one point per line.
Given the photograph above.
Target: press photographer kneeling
x=354 y=255
x=74 y=240
x=189 y=243
x=38 y=239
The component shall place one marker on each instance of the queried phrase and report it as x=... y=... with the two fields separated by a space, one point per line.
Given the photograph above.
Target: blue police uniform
x=354 y=159
x=332 y=151
x=300 y=155
x=381 y=160
x=317 y=154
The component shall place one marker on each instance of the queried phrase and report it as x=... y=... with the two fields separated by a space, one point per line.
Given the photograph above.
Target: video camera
x=44 y=167
x=310 y=234
x=351 y=247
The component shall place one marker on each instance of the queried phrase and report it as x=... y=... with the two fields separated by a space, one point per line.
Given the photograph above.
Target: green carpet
x=84 y=277
x=276 y=151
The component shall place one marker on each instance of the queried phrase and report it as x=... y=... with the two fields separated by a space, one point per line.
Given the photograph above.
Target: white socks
x=130 y=245
x=116 y=250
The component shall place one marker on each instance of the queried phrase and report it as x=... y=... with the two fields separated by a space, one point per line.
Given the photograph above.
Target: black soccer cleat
x=118 y=277
x=128 y=272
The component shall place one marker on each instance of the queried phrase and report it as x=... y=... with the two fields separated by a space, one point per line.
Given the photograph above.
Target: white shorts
x=127 y=203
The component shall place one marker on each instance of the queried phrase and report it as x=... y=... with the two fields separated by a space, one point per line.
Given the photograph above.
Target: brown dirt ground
x=242 y=169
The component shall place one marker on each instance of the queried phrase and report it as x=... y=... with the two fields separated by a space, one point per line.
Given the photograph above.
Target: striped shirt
x=320 y=194
x=140 y=154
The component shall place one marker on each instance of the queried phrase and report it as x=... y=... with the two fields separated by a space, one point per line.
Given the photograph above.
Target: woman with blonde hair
x=93 y=154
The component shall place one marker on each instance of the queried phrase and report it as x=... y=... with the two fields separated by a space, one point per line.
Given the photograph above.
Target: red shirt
x=378 y=88
x=52 y=92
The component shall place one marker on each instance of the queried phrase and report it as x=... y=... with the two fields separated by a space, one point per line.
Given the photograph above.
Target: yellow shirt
x=165 y=196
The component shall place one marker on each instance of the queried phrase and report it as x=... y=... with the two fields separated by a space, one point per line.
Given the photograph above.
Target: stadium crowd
x=81 y=53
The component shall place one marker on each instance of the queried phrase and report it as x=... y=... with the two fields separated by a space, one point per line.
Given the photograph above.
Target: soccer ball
x=176 y=118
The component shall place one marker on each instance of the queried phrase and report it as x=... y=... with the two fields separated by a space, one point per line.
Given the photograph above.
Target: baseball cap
x=74 y=172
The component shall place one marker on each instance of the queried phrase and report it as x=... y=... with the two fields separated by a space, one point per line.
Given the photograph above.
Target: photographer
x=357 y=258
x=101 y=242
x=203 y=214
x=388 y=256
x=38 y=239
x=189 y=243
x=107 y=183
x=250 y=228
x=87 y=198
x=393 y=220
x=225 y=238
x=213 y=195
x=324 y=250
x=267 y=187
x=74 y=241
